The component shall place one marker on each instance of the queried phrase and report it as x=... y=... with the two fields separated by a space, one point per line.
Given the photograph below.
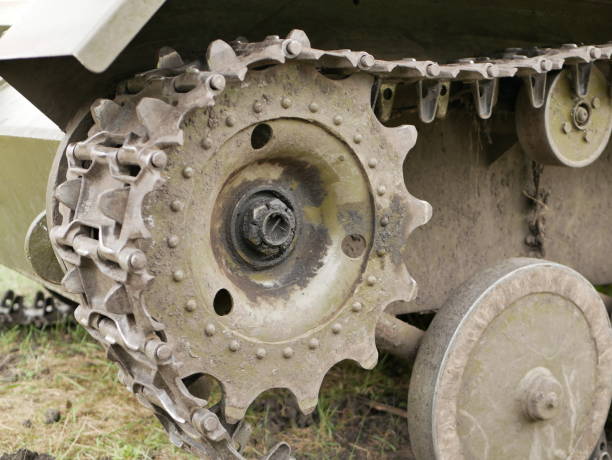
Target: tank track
x=43 y=312
x=108 y=313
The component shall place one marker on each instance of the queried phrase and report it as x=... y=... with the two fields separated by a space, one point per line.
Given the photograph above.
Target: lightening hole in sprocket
x=223 y=302
x=261 y=136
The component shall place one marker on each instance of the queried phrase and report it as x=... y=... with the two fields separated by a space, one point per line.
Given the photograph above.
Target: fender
x=62 y=54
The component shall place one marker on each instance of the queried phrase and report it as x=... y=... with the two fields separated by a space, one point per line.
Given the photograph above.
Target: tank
x=228 y=205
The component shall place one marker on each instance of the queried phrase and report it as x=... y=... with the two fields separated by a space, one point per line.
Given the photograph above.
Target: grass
x=63 y=368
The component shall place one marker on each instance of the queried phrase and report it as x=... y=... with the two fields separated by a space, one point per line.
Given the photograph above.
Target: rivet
x=286 y=102
x=384 y=221
x=176 y=206
x=260 y=353
x=230 y=121
x=187 y=172
x=172 y=241
x=234 y=345
x=163 y=352
x=356 y=307
x=190 y=305
x=178 y=275
x=341 y=158
x=159 y=159
x=210 y=329
x=596 y=102
x=381 y=190
x=337 y=328
x=257 y=107
x=313 y=344
x=357 y=138
x=288 y=352
x=380 y=252
x=372 y=163
x=206 y=143
x=338 y=120
x=567 y=127
x=138 y=260
x=313 y=107
x=371 y=280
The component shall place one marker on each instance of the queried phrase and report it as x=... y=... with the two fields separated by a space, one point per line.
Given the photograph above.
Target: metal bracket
x=384 y=101
x=536 y=89
x=433 y=98
x=581 y=74
x=485 y=96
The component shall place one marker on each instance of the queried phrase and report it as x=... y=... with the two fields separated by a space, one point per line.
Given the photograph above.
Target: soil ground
x=360 y=414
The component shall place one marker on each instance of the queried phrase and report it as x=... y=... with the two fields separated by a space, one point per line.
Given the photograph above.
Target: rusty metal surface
x=491 y=380
x=112 y=251
x=481 y=202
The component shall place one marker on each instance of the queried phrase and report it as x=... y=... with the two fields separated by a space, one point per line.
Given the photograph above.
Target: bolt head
x=366 y=61
x=216 y=82
x=172 y=241
x=230 y=121
x=190 y=305
x=588 y=137
x=210 y=423
x=187 y=172
x=381 y=190
x=206 y=143
x=292 y=48
x=313 y=344
x=372 y=163
x=176 y=205
x=260 y=353
x=286 y=102
x=432 y=70
x=357 y=138
x=337 y=328
x=338 y=120
x=356 y=307
x=159 y=159
x=288 y=353
x=313 y=107
x=178 y=275
x=492 y=71
x=210 y=330
x=257 y=107
x=371 y=280
x=234 y=346
x=595 y=53
x=163 y=352
x=596 y=103
x=138 y=260
x=384 y=221
x=546 y=65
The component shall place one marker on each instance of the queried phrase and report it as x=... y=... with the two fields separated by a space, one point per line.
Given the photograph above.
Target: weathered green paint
x=26 y=164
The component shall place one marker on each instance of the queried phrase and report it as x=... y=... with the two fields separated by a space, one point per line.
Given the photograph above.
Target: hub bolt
x=269 y=226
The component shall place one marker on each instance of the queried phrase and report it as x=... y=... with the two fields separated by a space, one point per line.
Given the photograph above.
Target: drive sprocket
x=249 y=230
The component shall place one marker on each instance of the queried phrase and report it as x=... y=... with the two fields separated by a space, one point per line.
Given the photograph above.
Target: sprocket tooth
x=222 y=58
x=402 y=138
x=72 y=282
x=117 y=300
x=160 y=120
x=299 y=36
x=168 y=58
x=68 y=193
x=104 y=113
x=113 y=203
x=421 y=215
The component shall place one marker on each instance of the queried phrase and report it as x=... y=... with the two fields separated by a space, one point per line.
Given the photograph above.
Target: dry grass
x=62 y=368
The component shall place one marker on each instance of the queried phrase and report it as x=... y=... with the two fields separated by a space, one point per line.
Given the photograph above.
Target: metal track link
x=43 y=312
x=101 y=242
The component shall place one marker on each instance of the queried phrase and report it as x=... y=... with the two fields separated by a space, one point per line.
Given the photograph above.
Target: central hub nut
x=540 y=394
x=268 y=226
